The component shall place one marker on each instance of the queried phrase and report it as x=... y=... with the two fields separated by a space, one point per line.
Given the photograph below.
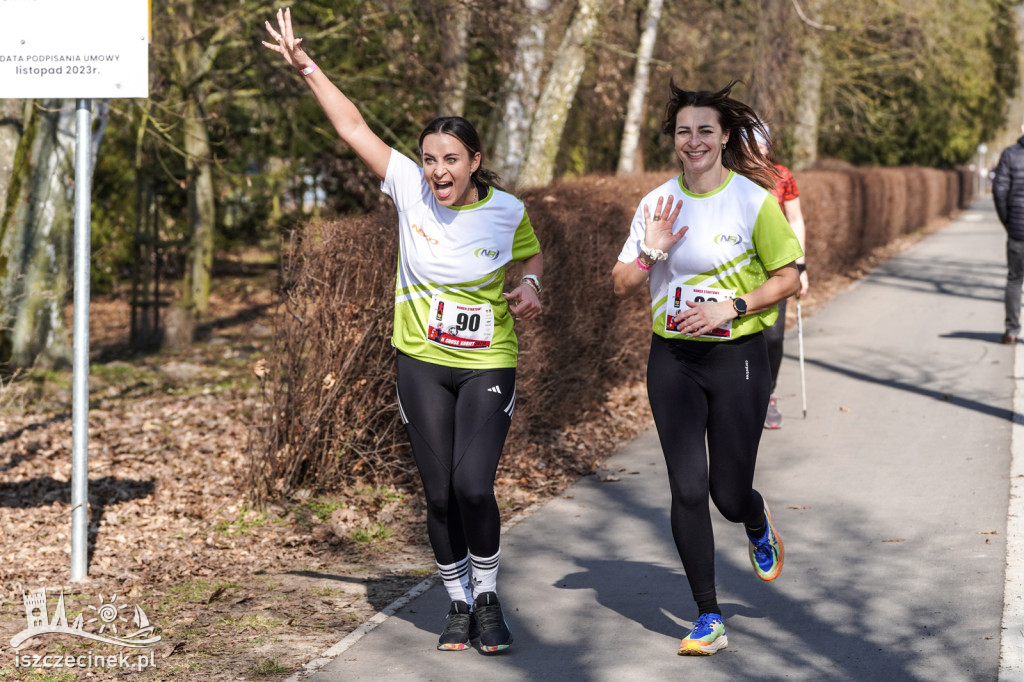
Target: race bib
x=460 y=325
x=679 y=294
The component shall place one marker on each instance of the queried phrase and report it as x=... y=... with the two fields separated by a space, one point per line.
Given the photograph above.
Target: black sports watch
x=740 y=306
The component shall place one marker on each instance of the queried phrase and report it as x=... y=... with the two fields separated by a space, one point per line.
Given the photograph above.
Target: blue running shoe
x=767 y=552
x=706 y=637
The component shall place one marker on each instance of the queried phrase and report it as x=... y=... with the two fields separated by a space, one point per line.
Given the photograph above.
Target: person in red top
x=788 y=197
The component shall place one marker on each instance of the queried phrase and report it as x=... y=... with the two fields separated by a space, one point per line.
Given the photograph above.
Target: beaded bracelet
x=532 y=281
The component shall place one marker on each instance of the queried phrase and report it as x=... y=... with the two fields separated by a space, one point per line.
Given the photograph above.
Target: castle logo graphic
x=113 y=624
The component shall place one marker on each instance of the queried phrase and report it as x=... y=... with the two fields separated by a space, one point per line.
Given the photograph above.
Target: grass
x=372 y=533
x=194 y=591
x=248 y=521
x=38 y=676
x=382 y=493
x=328 y=592
x=268 y=666
x=253 y=621
x=322 y=509
x=123 y=374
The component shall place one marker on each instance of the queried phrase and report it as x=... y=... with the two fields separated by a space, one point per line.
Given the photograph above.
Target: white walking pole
x=80 y=381
x=800 y=337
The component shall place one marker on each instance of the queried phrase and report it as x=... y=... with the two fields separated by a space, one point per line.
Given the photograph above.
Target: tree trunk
x=36 y=236
x=202 y=209
x=12 y=116
x=455 y=65
x=194 y=59
x=556 y=99
x=770 y=55
x=808 y=94
x=629 y=151
x=522 y=91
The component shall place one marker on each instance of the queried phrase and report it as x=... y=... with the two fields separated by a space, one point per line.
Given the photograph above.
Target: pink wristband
x=308 y=70
x=640 y=265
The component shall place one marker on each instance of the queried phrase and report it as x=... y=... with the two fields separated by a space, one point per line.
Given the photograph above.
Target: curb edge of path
x=1011 y=646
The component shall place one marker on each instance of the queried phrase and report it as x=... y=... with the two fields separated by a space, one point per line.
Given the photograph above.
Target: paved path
x=891 y=496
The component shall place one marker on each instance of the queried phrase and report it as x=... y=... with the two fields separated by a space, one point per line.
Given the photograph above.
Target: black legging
x=774 y=336
x=717 y=391
x=457 y=420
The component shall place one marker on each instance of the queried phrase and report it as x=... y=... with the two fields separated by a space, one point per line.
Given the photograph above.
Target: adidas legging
x=713 y=392
x=457 y=420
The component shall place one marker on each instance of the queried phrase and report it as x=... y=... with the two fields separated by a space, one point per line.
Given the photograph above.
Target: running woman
x=453 y=331
x=788 y=196
x=718 y=256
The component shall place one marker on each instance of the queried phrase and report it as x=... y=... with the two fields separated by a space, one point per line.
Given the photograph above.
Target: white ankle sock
x=456 y=580
x=485 y=573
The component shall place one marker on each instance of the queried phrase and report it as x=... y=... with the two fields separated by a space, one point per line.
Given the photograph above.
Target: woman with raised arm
x=717 y=255
x=453 y=333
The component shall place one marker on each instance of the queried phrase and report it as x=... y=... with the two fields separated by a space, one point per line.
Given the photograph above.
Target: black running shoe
x=494 y=632
x=456 y=628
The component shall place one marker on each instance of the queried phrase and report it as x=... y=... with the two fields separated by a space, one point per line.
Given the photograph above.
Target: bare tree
x=35 y=238
x=810 y=75
x=522 y=90
x=630 y=148
x=557 y=96
x=12 y=113
x=455 y=22
x=193 y=50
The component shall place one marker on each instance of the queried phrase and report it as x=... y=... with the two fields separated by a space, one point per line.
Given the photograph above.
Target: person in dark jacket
x=1008 y=191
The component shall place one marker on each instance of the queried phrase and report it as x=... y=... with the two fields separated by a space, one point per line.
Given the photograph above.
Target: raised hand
x=285 y=43
x=658 y=229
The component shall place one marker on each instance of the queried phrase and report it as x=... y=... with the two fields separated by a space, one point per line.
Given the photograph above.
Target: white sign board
x=74 y=49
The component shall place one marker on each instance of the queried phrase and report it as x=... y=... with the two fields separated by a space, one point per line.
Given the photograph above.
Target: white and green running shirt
x=451 y=270
x=737 y=235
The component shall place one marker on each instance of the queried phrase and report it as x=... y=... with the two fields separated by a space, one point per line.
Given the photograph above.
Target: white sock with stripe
x=485 y=573
x=456 y=580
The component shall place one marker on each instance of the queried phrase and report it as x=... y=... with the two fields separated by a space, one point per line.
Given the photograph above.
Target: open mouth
x=443 y=189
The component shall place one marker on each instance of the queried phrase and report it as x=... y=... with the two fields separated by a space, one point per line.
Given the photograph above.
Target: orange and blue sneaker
x=767 y=552
x=706 y=637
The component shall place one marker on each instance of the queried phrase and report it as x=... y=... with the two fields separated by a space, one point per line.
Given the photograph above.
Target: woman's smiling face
x=448 y=166
x=698 y=139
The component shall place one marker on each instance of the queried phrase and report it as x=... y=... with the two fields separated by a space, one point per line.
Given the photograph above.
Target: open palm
x=658 y=228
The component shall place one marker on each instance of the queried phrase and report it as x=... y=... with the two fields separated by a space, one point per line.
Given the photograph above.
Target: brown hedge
x=330 y=416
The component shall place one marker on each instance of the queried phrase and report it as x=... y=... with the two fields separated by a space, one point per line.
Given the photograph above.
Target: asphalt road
x=892 y=498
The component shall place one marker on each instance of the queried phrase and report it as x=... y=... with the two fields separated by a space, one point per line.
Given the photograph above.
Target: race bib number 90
x=460 y=325
x=679 y=294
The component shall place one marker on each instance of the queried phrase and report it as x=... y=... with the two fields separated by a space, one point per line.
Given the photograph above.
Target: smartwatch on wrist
x=740 y=306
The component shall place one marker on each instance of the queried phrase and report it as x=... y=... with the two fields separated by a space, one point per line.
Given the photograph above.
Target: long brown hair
x=741 y=153
x=463 y=131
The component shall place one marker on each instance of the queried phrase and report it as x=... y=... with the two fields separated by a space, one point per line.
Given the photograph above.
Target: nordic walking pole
x=800 y=337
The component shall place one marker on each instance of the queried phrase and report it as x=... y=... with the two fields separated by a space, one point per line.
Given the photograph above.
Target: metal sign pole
x=80 y=383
